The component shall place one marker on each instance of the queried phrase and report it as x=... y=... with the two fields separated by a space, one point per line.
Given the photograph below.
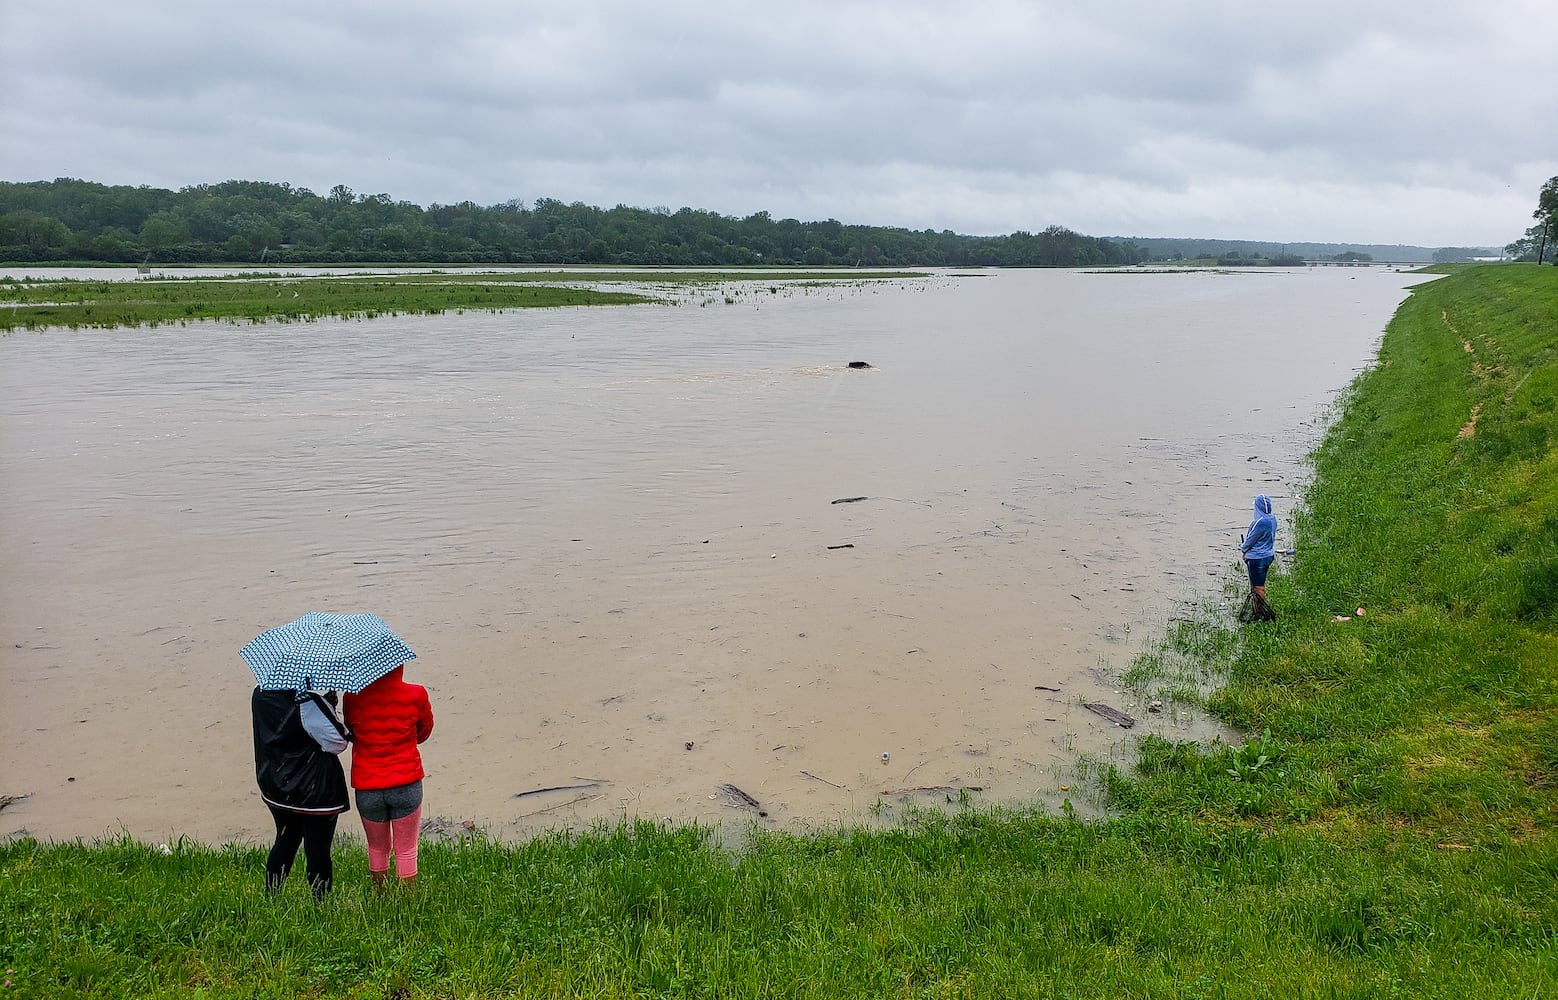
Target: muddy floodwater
x=610 y=535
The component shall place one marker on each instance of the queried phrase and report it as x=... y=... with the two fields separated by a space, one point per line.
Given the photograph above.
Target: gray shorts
x=381 y=805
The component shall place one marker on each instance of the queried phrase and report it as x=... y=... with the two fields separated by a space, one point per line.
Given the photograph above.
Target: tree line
x=1540 y=242
x=262 y=222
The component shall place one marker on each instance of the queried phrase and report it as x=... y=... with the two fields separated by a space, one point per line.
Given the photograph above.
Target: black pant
x=314 y=832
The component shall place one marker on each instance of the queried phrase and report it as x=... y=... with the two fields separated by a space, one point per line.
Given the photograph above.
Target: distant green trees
x=1234 y=258
x=1456 y=255
x=250 y=221
x=1539 y=241
x=38 y=235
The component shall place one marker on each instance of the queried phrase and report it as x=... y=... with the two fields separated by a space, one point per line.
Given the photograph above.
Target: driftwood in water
x=558 y=788
x=6 y=800
x=846 y=545
x=850 y=499
x=742 y=798
x=858 y=365
x=944 y=789
x=1114 y=715
x=585 y=797
x=825 y=781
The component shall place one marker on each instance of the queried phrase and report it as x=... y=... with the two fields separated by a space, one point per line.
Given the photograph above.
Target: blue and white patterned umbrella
x=325 y=652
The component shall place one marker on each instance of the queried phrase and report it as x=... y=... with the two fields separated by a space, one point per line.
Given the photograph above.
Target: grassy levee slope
x=1435 y=509
x=1391 y=837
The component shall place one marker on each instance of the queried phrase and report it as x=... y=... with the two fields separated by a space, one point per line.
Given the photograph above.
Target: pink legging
x=399 y=835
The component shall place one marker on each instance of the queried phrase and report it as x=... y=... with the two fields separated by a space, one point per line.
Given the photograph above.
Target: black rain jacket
x=293 y=772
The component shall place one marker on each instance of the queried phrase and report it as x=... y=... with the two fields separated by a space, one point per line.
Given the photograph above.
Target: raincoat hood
x=398 y=674
x=1260 y=539
x=388 y=719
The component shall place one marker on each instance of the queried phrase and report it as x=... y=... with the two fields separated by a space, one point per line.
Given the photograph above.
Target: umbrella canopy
x=325 y=652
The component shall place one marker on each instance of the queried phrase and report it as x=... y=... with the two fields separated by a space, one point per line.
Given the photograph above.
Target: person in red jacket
x=388 y=720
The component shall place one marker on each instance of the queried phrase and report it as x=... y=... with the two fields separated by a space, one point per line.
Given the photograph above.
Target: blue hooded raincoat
x=1261 y=540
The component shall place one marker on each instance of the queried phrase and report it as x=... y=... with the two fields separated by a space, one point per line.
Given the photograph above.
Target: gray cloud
x=1423 y=122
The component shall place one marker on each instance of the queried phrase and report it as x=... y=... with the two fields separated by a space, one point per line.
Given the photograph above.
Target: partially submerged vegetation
x=1389 y=832
x=38 y=303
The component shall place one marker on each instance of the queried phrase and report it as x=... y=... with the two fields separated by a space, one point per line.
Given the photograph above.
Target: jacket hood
x=389 y=679
x=1262 y=505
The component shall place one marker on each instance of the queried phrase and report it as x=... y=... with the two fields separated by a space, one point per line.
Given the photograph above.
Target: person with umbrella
x=297 y=736
x=389 y=720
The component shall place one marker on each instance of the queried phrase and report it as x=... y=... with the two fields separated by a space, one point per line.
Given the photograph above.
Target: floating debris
x=1114 y=715
x=943 y=789
x=444 y=828
x=743 y=799
x=566 y=788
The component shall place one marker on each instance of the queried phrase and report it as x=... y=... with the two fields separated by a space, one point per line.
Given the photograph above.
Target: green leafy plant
x=1250 y=760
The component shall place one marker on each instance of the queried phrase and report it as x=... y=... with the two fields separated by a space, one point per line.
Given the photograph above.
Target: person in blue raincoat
x=1259 y=549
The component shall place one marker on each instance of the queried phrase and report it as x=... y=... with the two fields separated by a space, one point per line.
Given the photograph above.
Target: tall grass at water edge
x=1434 y=507
x=1388 y=834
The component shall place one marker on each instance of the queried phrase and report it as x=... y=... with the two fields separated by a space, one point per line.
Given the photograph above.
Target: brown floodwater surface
x=609 y=533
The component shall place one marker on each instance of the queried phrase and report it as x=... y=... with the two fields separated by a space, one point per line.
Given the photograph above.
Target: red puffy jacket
x=388 y=719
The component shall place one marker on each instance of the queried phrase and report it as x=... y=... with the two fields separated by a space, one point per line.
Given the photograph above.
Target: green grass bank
x=1389 y=835
x=1434 y=508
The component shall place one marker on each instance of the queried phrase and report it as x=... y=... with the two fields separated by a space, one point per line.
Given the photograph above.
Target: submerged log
x=944 y=789
x=742 y=798
x=558 y=788
x=1114 y=715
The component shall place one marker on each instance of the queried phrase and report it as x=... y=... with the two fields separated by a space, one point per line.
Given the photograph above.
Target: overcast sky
x=1432 y=122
